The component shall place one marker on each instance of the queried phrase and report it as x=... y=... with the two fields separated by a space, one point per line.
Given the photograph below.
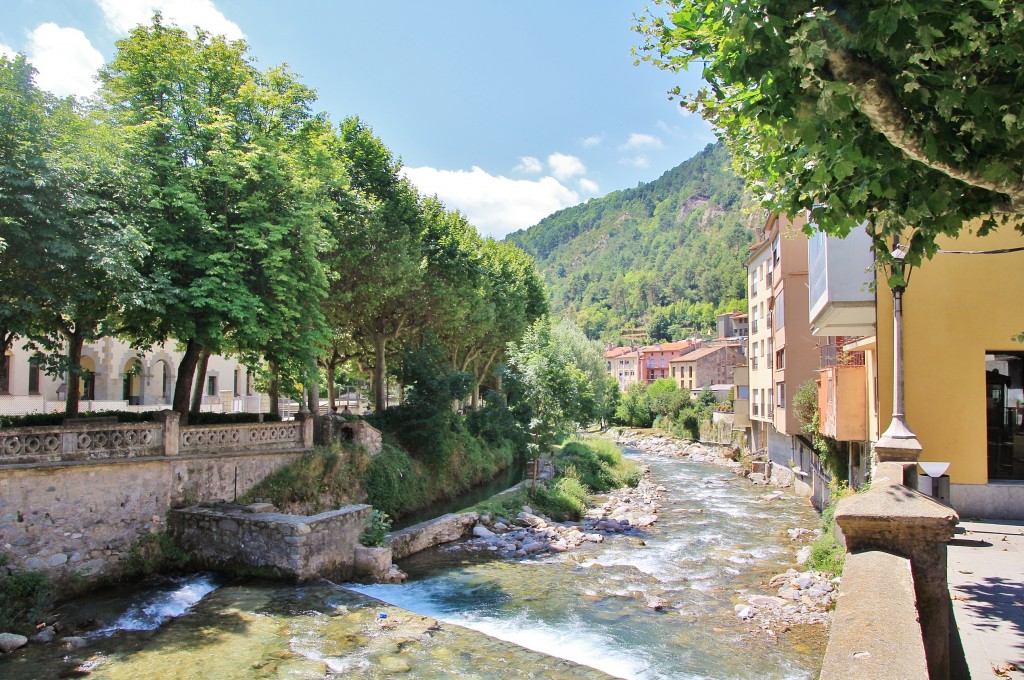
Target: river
x=717 y=539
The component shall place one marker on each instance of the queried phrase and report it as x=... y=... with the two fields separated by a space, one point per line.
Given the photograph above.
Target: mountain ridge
x=666 y=255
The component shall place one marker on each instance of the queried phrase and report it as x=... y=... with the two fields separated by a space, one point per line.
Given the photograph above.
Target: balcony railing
x=753 y=363
x=753 y=326
x=768 y=279
x=834 y=355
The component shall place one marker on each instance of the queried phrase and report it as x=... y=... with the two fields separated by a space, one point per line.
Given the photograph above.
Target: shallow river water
x=577 y=614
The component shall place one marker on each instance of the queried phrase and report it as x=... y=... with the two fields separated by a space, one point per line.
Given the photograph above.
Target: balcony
x=842 y=403
x=839 y=277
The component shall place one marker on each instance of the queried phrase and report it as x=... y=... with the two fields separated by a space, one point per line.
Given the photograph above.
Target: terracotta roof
x=669 y=346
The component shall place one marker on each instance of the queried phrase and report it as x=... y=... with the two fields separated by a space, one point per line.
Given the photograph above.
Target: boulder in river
x=11 y=641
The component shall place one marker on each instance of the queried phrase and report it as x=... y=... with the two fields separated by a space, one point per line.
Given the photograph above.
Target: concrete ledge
x=298 y=547
x=990 y=501
x=444 y=529
x=875 y=632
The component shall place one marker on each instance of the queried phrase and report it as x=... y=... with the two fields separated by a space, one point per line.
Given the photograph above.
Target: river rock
x=803 y=554
x=744 y=612
x=73 y=642
x=11 y=641
x=658 y=603
x=481 y=531
x=45 y=634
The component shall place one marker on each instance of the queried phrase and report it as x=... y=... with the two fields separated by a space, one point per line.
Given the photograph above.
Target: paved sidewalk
x=986 y=582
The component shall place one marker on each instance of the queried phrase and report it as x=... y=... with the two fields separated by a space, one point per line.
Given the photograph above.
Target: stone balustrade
x=60 y=444
x=65 y=443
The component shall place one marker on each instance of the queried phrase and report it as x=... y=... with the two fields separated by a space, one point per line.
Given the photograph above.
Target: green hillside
x=666 y=255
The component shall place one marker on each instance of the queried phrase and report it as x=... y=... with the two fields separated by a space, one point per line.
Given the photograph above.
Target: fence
x=112 y=441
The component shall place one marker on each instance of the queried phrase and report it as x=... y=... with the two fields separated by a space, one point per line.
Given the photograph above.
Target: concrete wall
x=83 y=517
x=433 y=532
x=299 y=547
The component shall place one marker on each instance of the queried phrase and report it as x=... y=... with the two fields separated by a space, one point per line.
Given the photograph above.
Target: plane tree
x=905 y=114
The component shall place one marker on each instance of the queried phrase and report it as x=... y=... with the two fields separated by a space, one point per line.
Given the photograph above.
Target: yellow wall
x=956 y=308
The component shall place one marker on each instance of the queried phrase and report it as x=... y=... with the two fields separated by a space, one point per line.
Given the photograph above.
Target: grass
x=155 y=554
x=322 y=479
x=25 y=599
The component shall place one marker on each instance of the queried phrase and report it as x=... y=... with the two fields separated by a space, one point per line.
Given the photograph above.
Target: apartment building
x=781 y=353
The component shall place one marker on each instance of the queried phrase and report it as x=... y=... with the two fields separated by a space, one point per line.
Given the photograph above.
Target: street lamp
x=898 y=442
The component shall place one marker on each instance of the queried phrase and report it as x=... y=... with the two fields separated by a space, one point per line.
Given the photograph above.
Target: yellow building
x=963 y=370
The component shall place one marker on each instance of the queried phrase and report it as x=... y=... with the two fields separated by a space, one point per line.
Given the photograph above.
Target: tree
x=634 y=408
x=903 y=114
x=232 y=231
x=378 y=252
x=68 y=253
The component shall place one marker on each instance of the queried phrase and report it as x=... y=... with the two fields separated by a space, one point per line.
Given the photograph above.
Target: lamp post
x=898 y=442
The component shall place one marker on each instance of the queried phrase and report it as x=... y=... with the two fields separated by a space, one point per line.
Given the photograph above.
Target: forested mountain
x=665 y=256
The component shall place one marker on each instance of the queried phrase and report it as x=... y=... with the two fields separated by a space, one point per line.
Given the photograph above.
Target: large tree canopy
x=907 y=114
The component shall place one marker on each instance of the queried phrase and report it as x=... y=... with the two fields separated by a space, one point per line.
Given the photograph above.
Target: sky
x=507 y=111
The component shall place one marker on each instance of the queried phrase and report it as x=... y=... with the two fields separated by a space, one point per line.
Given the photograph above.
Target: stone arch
x=161 y=379
x=87 y=383
x=132 y=380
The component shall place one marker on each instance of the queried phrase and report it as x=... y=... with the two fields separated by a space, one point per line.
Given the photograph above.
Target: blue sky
x=507 y=111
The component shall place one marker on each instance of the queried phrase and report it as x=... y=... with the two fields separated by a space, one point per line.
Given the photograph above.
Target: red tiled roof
x=700 y=353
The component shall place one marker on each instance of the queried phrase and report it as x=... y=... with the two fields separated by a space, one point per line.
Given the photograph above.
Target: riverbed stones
x=11 y=641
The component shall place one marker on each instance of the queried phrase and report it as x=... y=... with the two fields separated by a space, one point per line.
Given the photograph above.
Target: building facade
x=706 y=366
x=122 y=378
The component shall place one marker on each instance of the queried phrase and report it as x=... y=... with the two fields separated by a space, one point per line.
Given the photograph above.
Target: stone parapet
x=433 y=532
x=897 y=519
x=875 y=632
x=299 y=547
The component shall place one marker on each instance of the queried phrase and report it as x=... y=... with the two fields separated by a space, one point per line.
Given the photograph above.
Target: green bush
x=327 y=477
x=155 y=554
x=565 y=498
x=378 y=524
x=25 y=599
x=598 y=464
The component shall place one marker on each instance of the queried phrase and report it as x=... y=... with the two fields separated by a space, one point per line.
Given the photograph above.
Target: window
x=780 y=395
x=780 y=310
x=33 y=378
x=238 y=381
x=248 y=382
x=775 y=250
x=5 y=373
x=780 y=358
x=211 y=385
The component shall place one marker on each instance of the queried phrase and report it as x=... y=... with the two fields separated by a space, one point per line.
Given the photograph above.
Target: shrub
x=598 y=464
x=25 y=598
x=563 y=499
x=155 y=554
x=378 y=524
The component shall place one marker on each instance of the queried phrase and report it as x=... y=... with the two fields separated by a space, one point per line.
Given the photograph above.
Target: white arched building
x=123 y=378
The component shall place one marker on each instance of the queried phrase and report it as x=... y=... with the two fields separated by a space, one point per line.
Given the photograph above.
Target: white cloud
x=7 y=51
x=529 y=165
x=494 y=204
x=588 y=186
x=124 y=15
x=639 y=140
x=65 y=59
x=592 y=140
x=565 y=167
x=640 y=161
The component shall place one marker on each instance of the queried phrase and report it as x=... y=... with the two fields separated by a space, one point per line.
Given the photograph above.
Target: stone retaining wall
x=875 y=632
x=433 y=532
x=81 y=518
x=300 y=547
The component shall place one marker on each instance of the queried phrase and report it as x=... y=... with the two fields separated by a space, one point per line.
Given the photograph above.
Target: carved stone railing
x=165 y=437
x=61 y=443
x=247 y=437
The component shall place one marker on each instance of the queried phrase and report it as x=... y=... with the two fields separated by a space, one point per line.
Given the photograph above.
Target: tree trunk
x=378 y=373
x=332 y=392
x=183 y=384
x=274 y=389
x=200 y=381
x=313 y=391
x=74 y=395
